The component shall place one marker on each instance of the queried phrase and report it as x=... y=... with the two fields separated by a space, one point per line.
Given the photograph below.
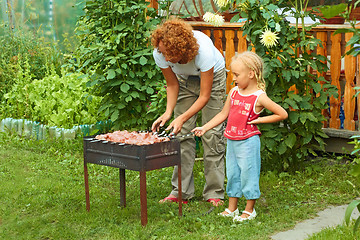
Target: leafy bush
x=55 y=100
x=294 y=80
x=115 y=48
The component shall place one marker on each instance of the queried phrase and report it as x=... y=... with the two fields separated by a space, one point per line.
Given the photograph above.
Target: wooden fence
x=343 y=111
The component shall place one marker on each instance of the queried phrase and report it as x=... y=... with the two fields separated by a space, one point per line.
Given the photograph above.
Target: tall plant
x=294 y=78
x=116 y=48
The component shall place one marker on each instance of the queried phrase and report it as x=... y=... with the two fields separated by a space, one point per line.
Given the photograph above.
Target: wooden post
x=335 y=69
x=322 y=36
x=349 y=100
x=242 y=44
x=207 y=32
x=218 y=35
x=229 y=53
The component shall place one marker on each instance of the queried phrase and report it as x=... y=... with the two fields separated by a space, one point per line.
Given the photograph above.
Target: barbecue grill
x=139 y=158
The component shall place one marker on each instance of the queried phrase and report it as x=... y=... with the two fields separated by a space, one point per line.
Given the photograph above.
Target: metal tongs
x=170 y=135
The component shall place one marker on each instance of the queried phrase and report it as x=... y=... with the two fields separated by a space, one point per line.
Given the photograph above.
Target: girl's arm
x=279 y=113
x=219 y=118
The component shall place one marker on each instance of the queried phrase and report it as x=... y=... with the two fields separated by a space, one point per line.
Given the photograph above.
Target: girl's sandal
x=230 y=213
x=250 y=217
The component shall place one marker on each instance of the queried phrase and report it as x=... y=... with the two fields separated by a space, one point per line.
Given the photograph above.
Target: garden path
x=328 y=218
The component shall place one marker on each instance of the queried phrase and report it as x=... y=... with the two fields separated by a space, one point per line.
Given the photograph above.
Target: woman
x=195 y=74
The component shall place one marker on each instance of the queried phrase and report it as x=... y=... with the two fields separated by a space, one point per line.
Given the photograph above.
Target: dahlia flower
x=214 y=19
x=268 y=38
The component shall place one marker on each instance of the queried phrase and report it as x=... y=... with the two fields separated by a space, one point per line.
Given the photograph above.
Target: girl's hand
x=254 y=122
x=199 y=131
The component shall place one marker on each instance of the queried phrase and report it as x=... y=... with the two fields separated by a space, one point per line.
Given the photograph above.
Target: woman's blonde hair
x=255 y=63
x=178 y=39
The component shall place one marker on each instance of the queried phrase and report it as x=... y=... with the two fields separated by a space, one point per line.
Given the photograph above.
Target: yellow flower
x=269 y=39
x=214 y=19
x=222 y=3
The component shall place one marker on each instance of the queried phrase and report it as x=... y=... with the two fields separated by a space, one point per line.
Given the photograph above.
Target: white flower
x=222 y=3
x=268 y=38
x=214 y=19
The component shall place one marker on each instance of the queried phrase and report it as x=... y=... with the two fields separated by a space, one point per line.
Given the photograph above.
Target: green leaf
x=110 y=74
x=290 y=140
x=149 y=90
x=329 y=11
x=125 y=87
x=282 y=148
x=292 y=103
x=293 y=117
x=350 y=209
x=235 y=18
x=115 y=115
x=307 y=138
x=143 y=60
x=356 y=225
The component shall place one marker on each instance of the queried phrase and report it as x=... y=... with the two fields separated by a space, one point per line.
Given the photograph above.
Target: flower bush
x=294 y=76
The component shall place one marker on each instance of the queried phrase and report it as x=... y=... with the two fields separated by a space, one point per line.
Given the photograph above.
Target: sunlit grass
x=43 y=197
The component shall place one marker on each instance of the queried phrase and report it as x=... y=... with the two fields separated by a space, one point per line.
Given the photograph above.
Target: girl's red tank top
x=242 y=111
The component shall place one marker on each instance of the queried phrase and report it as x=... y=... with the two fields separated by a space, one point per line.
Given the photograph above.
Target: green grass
x=340 y=232
x=42 y=196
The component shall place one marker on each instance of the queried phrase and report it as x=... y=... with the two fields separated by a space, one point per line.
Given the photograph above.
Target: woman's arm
x=172 y=92
x=206 y=81
x=279 y=113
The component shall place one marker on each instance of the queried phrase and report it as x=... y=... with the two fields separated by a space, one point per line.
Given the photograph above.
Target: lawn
x=43 y=197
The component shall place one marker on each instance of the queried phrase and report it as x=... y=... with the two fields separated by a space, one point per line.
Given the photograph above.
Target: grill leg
x=179 y=190
x=143 y=200
x=122 y=187
x=86 y=177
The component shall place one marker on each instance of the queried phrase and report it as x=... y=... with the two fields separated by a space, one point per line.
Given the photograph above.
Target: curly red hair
x=177 y=38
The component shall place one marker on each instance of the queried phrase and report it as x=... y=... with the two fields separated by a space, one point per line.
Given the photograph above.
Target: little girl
x=242 y=108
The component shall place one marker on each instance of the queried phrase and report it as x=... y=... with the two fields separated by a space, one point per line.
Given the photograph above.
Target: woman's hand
x=175 y=125
x=160 y=122
x=198 y=131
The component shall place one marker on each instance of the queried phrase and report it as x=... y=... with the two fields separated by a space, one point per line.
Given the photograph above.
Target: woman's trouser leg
x=214 y=141
x=187 y=96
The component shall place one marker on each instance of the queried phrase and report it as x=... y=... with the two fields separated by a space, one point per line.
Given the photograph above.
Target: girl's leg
x=233 y=202
x=233 y=187
x=249 y=207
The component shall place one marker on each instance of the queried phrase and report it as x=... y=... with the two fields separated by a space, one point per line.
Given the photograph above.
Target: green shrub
x=290 y=82
x=115 y=47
